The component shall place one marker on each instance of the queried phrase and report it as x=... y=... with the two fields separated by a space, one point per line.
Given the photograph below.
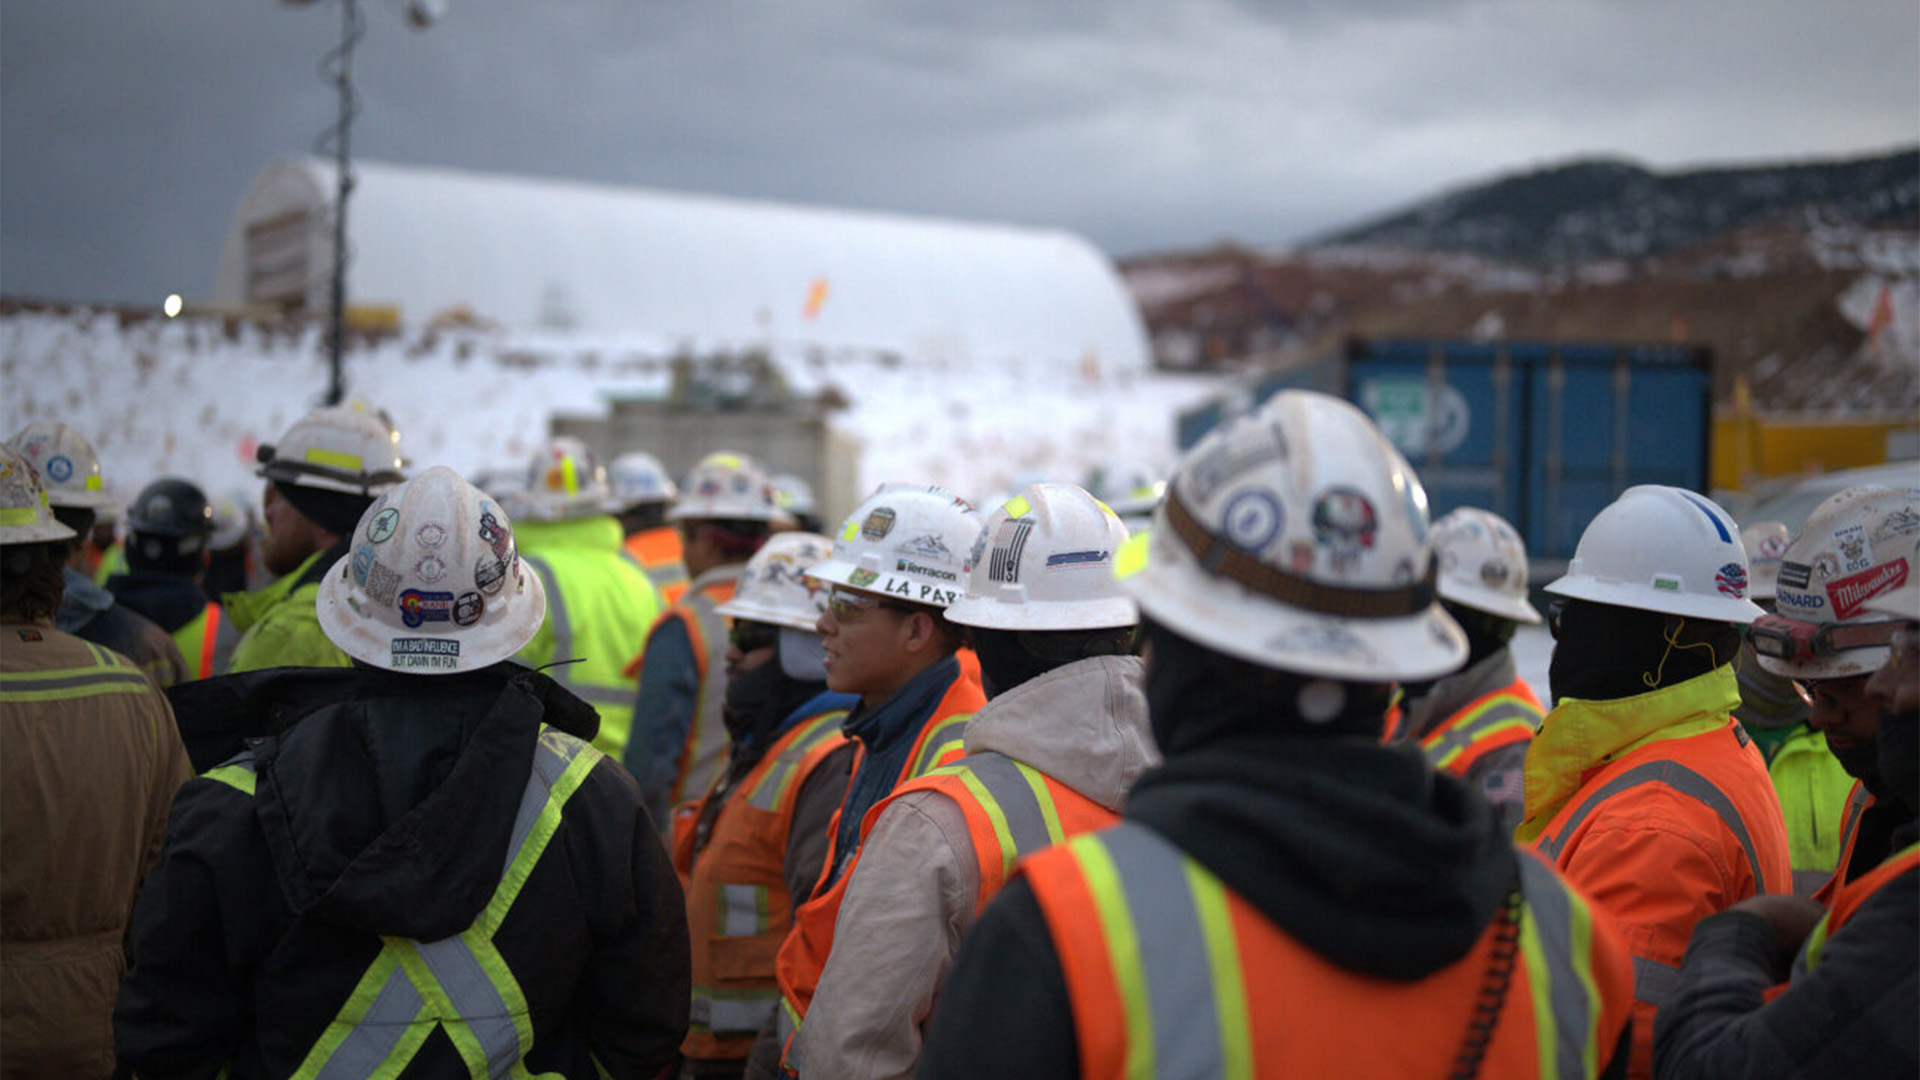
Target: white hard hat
x=26 y=516
x=335 y=449
x=1129 y=488
x=1765 y=542
x=433 y=583
x=232 y=520
x=362 y=405
x=638 y=479
x=1483 y=564
x=908 y=541
x=774 y=587
x=1048 y=566
x=66 y=463
x=793 y=494
x=1295 y=537
x=1662 y=549
x=1903 y=602
x=726 y=486
x=1856 y=546
x=565 y=480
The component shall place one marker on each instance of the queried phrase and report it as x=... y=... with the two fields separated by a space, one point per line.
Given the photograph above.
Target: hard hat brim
x=1100 y=614
x=1492 y=603
x=1644 y=597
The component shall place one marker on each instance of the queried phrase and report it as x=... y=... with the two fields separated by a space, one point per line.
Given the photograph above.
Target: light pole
x=337 y=68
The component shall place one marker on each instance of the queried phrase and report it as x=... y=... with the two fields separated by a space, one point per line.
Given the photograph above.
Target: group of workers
x=586 y=773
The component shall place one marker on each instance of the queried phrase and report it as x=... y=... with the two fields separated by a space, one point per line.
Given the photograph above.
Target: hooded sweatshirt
x=386 y=808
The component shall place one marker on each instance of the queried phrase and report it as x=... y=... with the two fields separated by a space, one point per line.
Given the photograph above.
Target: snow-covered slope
x=194 y=397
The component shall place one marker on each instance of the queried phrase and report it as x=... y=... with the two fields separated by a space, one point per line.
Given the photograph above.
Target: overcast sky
x=128 y=130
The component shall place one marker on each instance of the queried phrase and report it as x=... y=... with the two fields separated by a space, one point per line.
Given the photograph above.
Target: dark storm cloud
x=128 y=131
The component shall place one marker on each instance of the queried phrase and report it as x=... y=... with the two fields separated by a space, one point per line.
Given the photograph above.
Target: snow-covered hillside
x=195 y=397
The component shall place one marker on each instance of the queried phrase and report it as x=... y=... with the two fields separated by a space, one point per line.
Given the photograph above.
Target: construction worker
x=898 y=562
x=105 y=553
x=1640 y=785
x=321 y=477
x=1853 y=547
x=69 y=468
x=1812 y=783
x=169 y=526
x=1052 y=753
x=89 y=760
x=232 y=549
x=795 y=496
x=642 y=495
x=1854 y=967
x=599 y=601
x=1130 y=489
x=1287 y=895
x=431 y=873
x=725 y=511
x=1475 y=722
x=754 y=842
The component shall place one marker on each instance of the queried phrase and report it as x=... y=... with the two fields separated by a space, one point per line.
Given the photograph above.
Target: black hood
x=172 y=600
x=383 y=788
x=1359 y=851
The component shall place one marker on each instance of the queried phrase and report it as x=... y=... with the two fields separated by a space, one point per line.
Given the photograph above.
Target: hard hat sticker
x=927 y=546
x=1849 y=594
x=1078 y=560
x=430 y=568
x=878 y=524
x=908 y=566
x=1005 y=564
x=1795 y=575
x=488 y=573
x=59 y=468
x=1732 y=581
x=1852 y=541
x=859 y=578
x=424 y=654
x=418 y=607
x=468 y=609
x=1345 y=523
x=382 y=582
x=1253 y=519
x=362 y=562
x=381 y=528
x=430 y=535
x=1899 y=523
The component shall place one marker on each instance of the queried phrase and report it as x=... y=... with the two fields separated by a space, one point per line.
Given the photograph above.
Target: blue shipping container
x=1543 y=434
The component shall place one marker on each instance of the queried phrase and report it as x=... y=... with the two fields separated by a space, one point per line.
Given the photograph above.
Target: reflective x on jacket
x=422 y=869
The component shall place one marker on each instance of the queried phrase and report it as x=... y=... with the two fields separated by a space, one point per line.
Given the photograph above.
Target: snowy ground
x=195 y=397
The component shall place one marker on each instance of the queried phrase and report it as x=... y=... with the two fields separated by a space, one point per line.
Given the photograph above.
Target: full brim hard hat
x=365 y=638
x=1172 y=589
x=1507 y=607
x=869 y=575
x=1635 y=594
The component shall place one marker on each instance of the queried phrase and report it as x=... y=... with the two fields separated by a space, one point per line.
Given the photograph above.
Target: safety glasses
x=748 y=636
x=845 y=605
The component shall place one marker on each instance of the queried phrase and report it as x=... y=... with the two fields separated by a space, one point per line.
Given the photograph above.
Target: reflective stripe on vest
x=942 y=744
x=1184 y=992
x=1679 y=778
x=737 y=900
x=591 y=692
x=1498 y=719
x=1848 y=901
x=109 y=674
x=771 y=788
x=210 y=639
x=461 y=984
x=706 y=743
x=1017 y=803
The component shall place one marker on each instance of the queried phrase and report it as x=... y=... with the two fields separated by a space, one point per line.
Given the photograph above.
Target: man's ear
x=922 y=633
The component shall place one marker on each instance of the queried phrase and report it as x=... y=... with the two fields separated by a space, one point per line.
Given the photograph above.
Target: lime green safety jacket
x=279 y=625
x=600 y=606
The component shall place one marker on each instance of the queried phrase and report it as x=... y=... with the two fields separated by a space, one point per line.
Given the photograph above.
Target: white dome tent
x=710 y=272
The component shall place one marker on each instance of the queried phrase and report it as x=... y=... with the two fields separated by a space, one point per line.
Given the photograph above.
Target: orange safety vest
x=1489 y=722
x=1859 y=801
x=1719 y=788
x=803 y=956
x=1170 y=973
x=1851 y=896
x=738 y=910
x=704 y=749
x=659 y=554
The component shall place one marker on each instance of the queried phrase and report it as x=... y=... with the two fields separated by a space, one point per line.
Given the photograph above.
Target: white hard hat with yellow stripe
x=335 y=449
x=67 y=465
x=26 y=516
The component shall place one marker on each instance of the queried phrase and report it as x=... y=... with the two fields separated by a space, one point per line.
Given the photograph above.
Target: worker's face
x=750 y=645
x=1844 y=711
x=289 y=534
x=866 y=642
